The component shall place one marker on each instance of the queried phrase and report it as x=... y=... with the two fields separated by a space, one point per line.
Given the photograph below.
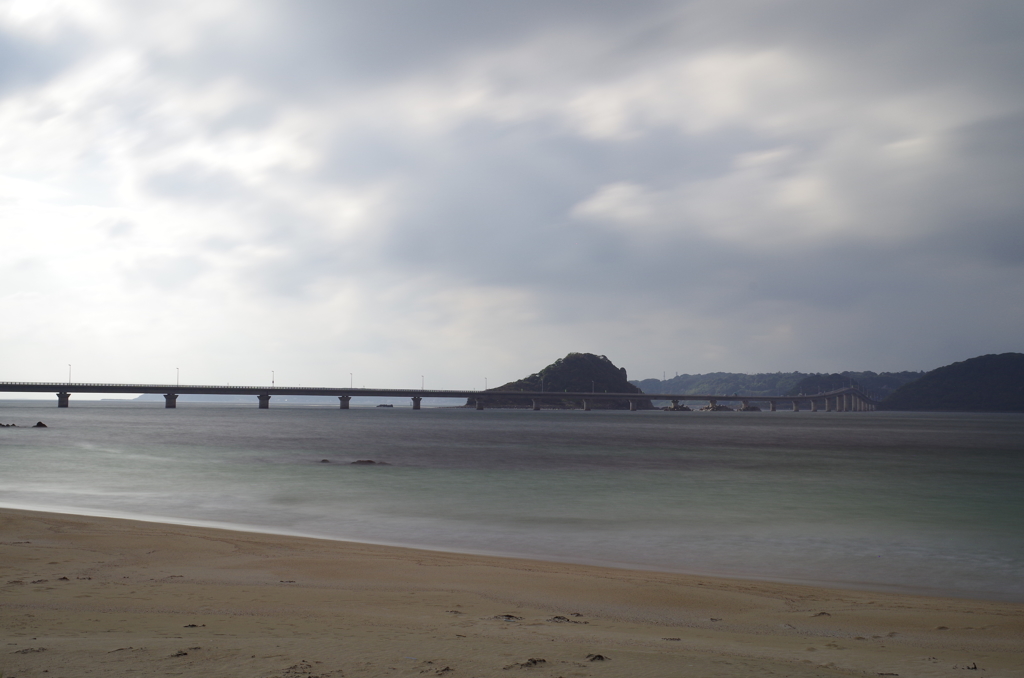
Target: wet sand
x=96 y=596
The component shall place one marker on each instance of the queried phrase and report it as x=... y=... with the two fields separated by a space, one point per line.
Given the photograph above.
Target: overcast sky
x=459 y=190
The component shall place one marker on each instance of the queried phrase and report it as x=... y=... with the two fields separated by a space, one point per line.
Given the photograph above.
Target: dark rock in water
x=368 y=462
x=39 y=424
x=715 y=408
x=325 y=461
x=565 y=620
x=597 y=658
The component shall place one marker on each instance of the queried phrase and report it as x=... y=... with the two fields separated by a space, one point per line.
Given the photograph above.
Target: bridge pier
x=479 y=403
x=632 y=406
x=416 y=400
x=344 y=401
x=170 y=400
x=847 y=402
x=264 y=399
x=536 y=404
x=772 y=406
x=814 y=405
x=744 y=405
x=796 y=405
x=586 y=405
x=62 y=399
x=828 y=404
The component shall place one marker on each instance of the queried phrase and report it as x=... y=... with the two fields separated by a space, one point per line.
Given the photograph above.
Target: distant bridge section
x=850 y=399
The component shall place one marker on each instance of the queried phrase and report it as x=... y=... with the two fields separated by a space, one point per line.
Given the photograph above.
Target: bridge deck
x=76 y=387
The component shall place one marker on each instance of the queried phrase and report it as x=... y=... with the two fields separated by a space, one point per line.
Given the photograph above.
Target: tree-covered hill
x=576 y=372
x=878 y=385
x=777 y=383
x=724 y=383
x=988 y=383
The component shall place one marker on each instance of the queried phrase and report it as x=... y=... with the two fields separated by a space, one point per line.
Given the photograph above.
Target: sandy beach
x=95 y=596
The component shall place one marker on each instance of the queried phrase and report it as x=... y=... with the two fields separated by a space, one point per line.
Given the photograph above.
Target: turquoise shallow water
x=932 y=503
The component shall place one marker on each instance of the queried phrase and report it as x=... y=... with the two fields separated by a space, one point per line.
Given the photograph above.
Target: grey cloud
x=193 y=181
x=486 y=201
x=167 y=273
x=26 y=62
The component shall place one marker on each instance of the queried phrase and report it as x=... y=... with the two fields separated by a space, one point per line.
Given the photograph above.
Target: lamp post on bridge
x=177 y=376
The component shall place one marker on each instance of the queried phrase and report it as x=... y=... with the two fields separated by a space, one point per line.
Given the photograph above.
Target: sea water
x=928 y=503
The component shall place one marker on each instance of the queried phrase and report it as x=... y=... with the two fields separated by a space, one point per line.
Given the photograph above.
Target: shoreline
x=866 y=587
x=121 y=596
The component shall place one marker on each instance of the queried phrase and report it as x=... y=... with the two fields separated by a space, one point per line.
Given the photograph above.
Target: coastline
x=121 y=596
x=272 y=531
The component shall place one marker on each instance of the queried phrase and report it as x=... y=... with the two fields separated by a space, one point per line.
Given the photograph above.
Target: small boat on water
x=385 y=405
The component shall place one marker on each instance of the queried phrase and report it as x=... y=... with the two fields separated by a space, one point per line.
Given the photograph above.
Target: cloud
x=686 y=186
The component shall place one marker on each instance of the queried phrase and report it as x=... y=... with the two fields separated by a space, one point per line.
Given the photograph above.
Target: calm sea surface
x=930 y=503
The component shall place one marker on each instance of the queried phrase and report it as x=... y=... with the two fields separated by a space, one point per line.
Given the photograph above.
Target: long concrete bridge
x=850 y=399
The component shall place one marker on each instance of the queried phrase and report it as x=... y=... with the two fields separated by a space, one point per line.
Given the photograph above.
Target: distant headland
x=988 y=383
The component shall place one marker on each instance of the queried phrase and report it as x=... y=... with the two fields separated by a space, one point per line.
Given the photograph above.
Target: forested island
x=575 y=373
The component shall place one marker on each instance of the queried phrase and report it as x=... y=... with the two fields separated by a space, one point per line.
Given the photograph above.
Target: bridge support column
x=62 y=399
x=744 y=405
x=586 y=405
x=416 y=400
x=479 y=403
x=536 y=404
x=344 y=400
x=772 y=407
x=847 y=402
x=814 y=405
x=828 y=404
x=796 y=405
x=264 y=399
x=632 y=406
x=675 y=404
x=170 y=400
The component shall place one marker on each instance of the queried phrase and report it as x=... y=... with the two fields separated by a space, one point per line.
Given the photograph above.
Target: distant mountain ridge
x=777 y=383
